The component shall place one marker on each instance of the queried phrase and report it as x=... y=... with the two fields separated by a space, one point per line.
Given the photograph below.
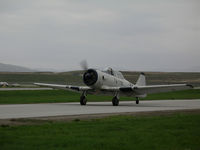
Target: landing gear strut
x=83 y=99
x=137 y=100
x=115 y=101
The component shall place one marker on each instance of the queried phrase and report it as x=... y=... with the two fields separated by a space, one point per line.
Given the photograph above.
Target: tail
x=141 y=80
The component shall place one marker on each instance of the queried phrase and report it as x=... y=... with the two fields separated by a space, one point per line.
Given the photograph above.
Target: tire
x=115 y=101
x=83 y=100
x=137 y=101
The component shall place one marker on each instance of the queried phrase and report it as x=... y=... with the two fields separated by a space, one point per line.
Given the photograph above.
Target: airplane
x=4 y=84
x=111 y=82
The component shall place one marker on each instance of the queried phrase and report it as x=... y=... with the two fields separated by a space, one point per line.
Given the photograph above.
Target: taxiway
x=69 y=109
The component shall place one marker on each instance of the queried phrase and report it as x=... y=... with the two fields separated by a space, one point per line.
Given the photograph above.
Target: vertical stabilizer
x=141 y=80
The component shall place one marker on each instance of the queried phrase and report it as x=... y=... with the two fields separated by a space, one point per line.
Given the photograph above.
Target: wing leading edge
x=140 y=90
x=161 y=88
x=65 y=87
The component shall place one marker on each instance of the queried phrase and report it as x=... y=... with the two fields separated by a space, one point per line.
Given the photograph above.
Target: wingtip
x=36 y=83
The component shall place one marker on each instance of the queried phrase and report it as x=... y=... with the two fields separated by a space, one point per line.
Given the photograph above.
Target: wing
x=65 y=87
x=141 y=90
x=161 y=88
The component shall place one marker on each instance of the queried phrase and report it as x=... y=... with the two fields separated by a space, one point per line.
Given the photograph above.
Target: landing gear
x=137 y=100
x=83 y=99
x=115 y=101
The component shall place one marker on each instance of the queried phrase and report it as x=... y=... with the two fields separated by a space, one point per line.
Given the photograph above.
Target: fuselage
x=97 y=79
x=105 y=79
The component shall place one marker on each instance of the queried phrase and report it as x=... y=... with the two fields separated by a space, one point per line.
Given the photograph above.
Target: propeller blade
x=84 y=65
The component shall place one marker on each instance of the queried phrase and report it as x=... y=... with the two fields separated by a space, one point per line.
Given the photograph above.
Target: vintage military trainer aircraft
x=113 y=83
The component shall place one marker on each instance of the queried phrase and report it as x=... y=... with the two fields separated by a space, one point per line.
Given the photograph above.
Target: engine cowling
x=90 y=77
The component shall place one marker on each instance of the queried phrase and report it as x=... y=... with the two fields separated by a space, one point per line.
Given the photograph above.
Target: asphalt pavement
x=67 y=109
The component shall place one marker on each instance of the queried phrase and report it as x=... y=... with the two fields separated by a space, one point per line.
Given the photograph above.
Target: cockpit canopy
x=113 y=73
x=109 y=71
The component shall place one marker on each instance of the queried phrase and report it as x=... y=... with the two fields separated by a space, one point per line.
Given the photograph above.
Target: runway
x=68 y=109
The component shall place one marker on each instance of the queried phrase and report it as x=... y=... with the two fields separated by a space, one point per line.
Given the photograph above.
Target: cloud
x=128 y=34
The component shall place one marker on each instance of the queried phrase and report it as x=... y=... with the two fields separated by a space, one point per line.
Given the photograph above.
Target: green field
x=173 y=132
x=75 y=77
x=53 y=96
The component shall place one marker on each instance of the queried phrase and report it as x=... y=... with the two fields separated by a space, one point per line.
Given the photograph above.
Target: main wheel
x=83 y=100
x=115 y=101
x=137 y=101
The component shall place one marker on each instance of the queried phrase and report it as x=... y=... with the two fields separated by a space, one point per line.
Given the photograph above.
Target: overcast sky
x=153 y=35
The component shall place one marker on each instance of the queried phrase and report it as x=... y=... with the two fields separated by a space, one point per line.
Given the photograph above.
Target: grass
x=186 y=94
x=174 y=132
x=75 y=77
x=48 y=77
x=53 y=96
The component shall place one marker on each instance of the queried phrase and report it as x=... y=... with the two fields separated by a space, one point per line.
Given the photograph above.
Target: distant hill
x=14 y=68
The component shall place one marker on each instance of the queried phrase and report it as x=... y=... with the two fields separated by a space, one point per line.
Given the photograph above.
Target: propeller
x=84 y=65
x=90 y=76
